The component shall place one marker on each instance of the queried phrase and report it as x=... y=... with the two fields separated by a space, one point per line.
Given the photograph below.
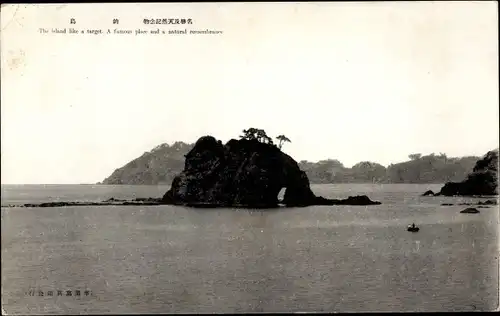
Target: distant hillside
x=160 y=165
x=431 y=169
x=426 y=169
x=333 y=171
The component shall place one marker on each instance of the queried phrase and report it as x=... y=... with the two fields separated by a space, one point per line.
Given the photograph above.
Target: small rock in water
x=470 y=210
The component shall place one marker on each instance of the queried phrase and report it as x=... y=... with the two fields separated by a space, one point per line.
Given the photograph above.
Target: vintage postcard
x=249 y=157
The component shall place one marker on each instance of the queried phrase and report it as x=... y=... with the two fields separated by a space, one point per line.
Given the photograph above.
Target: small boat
x=413 y=228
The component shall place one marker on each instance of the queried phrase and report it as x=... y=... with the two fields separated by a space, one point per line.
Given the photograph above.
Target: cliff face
x=482 y=181
x=244 y=173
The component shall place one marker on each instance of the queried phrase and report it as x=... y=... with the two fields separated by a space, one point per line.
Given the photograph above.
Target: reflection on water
x=152 y=259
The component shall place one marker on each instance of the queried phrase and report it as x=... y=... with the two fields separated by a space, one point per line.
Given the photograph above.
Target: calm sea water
x=167 y=259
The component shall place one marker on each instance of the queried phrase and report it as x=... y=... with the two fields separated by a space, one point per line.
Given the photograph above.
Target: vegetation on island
x=261 y=136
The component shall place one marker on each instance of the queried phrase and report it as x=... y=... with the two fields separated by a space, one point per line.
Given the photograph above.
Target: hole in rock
x=281 y=194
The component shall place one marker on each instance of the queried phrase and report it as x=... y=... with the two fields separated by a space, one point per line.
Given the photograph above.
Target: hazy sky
x=350 y=81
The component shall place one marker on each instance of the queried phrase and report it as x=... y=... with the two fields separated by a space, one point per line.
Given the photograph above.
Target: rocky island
x=249 y=172
x=482 y=181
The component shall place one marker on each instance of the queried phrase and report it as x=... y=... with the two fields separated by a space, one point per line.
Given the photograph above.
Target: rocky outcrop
x=244 y=173
x=428 y=193
x=483 y=180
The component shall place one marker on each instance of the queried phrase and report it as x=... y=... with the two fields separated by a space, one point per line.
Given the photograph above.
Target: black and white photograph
x=223 y=157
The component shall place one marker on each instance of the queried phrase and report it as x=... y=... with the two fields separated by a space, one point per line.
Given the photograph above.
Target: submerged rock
x=488 y=202
x=470 y=210
x=109 y=202
x=244 y=173
x=480 y=203
x=354 y=200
